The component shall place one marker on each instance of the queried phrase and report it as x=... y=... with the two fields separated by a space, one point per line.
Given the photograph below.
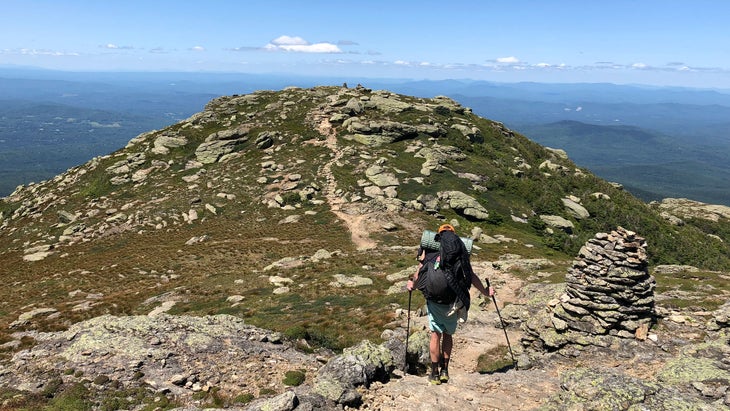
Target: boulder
x=558 y=222
x=388 y=103
x=130 y=163
x=165 y=142
x=265 y=140
x=221 y=143
x=574 y=209
x=378 y=176
x=342 y=280
x=685 y=208
x=212 y=151
x=357 y=366
x=464 y=204
x=353 y=107
x=473 y=134
x=375 y=133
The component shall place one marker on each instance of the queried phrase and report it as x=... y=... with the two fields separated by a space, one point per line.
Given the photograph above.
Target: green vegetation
x=246 y=244
x=80 y=396
x=496 y=359
x=98 y=186
x=243 y=398
x=294 y=378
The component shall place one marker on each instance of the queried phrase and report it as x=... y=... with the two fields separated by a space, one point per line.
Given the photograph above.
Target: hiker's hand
x=409 y=285
x=490 y=291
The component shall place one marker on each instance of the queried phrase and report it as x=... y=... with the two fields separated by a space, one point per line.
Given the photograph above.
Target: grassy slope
x=133 y=269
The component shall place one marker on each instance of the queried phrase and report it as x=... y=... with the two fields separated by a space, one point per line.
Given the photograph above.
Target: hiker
x=445 y=278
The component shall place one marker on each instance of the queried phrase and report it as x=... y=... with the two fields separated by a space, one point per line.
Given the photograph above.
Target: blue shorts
x=438 y=320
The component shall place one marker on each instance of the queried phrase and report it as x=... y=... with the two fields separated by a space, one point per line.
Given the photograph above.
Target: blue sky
x=655 y=42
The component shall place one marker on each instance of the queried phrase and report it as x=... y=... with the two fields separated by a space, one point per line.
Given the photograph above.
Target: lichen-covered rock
x=380 y=177
x=357 y=366
x=720 y=317
x=165 y=142
x=558 y=222
x=177 y=354
x=685 y=208
x=706 y=362
x=131 y=162
x=604 y=389
x=575 y=209
x=353 y=107
x=211 y=151
x=464 y=204
x=342 y=280
x=473 y=134
x=376 y=133
x=221 y=143
x=387 y=102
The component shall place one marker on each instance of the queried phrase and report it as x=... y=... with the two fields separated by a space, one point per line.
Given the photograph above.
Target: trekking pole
x=504 y=327
x=408 y=331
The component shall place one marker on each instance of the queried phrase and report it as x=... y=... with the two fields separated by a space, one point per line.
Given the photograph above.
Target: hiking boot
x=434 y=379
x=444 y=376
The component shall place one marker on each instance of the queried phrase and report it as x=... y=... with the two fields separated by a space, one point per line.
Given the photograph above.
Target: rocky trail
x=351 y=214
x=467 y=389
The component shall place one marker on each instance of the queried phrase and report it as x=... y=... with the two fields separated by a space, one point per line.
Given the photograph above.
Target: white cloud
x=44 y=52
x=289 y=41
x=639 y=66
x=401 y=63
x=112 y=46
x=508 y=60
x=299 y=45
x=543 y=65
x=315 y=48
x=197 y=48
x=245 y=48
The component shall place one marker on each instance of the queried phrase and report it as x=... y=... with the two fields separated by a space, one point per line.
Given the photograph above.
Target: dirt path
x=467 y=389
x=352 y=215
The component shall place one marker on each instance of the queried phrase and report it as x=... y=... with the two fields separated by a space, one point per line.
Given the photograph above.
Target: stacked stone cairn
x=608 y=288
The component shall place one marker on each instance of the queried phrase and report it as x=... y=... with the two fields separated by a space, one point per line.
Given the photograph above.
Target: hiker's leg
x=434 y=349
x=447 y=345
x=435 y=346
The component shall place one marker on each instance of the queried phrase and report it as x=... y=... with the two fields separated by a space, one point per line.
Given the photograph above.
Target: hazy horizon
x=649 y=43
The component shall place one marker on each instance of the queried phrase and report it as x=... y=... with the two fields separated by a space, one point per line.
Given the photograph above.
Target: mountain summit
x=300 y=211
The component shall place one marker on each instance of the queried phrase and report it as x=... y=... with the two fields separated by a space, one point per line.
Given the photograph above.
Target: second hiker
x=444 y=276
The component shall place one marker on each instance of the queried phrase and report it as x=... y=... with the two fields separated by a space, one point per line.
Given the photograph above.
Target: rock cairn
x=608 y=288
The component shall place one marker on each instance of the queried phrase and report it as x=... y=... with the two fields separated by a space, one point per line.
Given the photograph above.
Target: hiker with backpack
x=444 y=276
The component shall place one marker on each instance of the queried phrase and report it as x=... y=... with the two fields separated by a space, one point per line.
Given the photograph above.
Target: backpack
x=433 y=284
x=456 y=266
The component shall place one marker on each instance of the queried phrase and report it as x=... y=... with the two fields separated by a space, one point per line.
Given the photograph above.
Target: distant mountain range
x=650 y=164
x=657 y=142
